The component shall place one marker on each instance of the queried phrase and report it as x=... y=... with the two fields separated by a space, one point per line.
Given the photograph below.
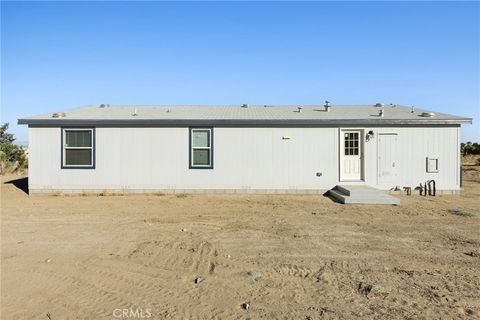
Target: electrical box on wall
x=432 y=164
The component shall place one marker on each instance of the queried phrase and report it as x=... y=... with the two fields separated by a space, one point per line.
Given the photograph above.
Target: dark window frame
x=62 y=148
x=190 y=148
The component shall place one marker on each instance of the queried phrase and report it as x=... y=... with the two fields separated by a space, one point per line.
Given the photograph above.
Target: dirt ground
x=286 y=256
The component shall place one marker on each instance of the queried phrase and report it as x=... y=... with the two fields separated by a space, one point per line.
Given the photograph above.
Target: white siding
x=414 y=145
x=155 y=158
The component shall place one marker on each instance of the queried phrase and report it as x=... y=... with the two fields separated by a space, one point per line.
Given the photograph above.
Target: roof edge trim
x=227 y=122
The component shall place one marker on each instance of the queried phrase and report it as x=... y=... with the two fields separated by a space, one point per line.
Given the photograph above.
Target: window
x=77 y=148
x=351 y=147
x=201 y=149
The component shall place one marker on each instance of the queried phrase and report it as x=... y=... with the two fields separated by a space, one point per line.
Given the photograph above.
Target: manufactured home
x=244 y=148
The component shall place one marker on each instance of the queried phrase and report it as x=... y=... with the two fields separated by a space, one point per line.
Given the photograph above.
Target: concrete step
x=340 y=197
x=363 y=198
x=358 y=190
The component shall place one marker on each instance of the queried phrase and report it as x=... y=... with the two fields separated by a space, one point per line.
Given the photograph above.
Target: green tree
x=466 y=148
x=475 y=148
x=469 y=148
x=5 y=137
x=11 y=155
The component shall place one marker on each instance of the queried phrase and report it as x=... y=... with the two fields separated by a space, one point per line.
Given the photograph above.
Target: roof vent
x=378 y=104
x=135 y=113
x=413 y=109
x=427 y=114
x=245 y=105
x=58 y=115
x=299 y=109
x=327 y=106
x=104 y=105
x=381 y=113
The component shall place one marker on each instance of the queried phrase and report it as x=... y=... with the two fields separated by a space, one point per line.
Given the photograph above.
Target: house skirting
x=50 y=191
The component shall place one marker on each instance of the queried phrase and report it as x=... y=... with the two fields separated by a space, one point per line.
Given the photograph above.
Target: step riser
x=379 y=199
x=339 y=197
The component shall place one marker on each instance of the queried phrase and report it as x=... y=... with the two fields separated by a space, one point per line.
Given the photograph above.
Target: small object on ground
x=408 y=190
x=211 y=268
x=255 y=275
x=20 y=242
x=364 y=288
x=198 y=280
x=407 y=272
x=184 y=229
x=472 y=254
x=49 y=316
x=469 y=311
x=463 y=213
x=48 y=260
x=228 y=256
x=325 y=310
x=245 y=306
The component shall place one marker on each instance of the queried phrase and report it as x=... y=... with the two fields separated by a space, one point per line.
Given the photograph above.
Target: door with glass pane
x=351 y=155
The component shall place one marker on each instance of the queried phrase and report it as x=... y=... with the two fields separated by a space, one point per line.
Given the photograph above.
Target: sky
x=61 y=55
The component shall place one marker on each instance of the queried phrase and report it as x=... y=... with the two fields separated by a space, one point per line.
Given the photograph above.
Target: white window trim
x=358 y=147
x=64 y=148
x=209 y=148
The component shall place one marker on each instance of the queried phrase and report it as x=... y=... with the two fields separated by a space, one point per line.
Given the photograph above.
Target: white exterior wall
x=157 y=158
x=414 y=145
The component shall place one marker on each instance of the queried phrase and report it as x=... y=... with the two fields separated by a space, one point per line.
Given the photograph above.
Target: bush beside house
x=13 y=158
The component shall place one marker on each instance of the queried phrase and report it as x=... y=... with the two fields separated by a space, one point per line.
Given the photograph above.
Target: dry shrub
x=181 y=195
x=462 y=213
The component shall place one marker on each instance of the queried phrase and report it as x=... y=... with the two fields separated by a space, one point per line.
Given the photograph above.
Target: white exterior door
x=351 y=155
x=387 y=159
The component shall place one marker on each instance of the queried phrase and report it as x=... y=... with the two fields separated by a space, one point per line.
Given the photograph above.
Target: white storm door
x=351 y=155
x=387 y=159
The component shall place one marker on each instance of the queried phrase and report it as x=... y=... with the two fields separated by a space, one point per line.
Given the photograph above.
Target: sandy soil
x=288 y=257
x=470 y=159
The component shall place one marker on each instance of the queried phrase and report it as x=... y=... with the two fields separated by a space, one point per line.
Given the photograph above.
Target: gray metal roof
x=238 y=115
